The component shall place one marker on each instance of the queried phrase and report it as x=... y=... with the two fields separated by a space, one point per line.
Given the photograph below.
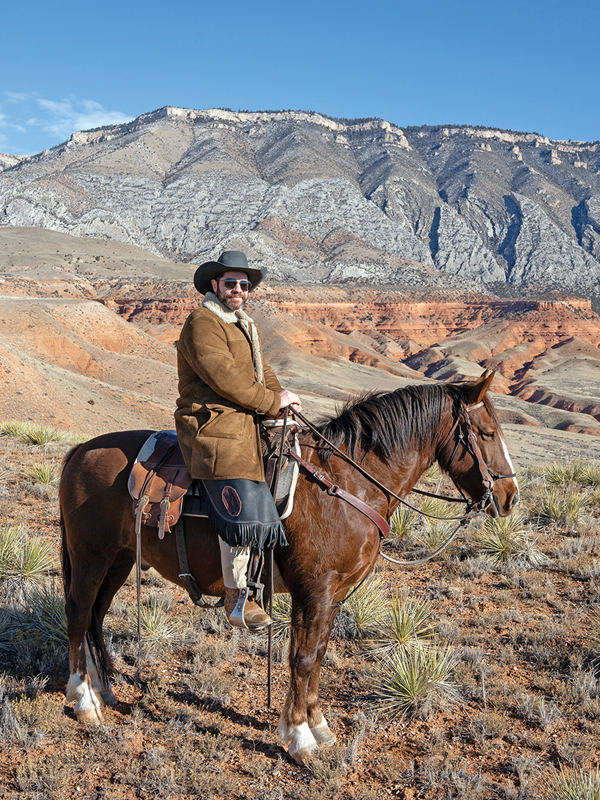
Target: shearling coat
x=225 y=386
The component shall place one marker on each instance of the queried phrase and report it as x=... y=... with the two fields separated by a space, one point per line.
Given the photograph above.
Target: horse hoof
x=301 y=757
x=323 y=736
x=302 y=743
x=91 y=716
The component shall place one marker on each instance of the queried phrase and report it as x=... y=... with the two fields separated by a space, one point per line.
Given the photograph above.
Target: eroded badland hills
x=394 y=256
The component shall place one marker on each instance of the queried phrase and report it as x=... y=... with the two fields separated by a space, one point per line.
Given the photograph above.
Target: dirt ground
x=192 y=719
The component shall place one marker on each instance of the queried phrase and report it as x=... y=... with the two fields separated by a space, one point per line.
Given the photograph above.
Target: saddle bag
x=158 y=482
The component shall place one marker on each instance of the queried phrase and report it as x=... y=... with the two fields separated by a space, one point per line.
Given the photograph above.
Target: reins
x=473 y=507
x=470 y=504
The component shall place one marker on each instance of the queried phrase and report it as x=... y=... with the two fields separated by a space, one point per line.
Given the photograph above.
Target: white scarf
x=212 y=303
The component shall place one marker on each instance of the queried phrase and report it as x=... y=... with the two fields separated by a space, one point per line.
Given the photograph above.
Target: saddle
x=159 y=480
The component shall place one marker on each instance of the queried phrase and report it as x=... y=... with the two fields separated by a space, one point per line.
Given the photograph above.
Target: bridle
x=468 y=441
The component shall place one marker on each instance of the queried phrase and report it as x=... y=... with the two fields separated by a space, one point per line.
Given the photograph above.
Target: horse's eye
x=488 y=435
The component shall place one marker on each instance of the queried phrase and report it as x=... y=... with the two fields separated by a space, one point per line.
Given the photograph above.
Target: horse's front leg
x=317 y=723
x=302 y=726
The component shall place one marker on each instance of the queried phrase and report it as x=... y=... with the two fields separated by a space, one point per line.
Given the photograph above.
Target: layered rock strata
x=319 y=200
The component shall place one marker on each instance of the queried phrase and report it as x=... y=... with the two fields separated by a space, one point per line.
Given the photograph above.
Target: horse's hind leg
x=115 y=578
x=78 y=608
x=87 y=601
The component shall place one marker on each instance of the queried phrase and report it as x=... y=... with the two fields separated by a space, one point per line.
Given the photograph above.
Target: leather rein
x=468 y=441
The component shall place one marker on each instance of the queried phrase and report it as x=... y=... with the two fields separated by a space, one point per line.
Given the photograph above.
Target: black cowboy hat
x=229 y=261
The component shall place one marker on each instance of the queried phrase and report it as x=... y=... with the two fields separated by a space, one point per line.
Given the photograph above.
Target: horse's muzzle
x=497 y=509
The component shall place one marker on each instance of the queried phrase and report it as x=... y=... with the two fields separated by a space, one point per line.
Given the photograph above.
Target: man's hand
x=290 y=399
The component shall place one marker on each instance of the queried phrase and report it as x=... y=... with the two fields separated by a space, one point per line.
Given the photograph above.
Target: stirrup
x=236 y=618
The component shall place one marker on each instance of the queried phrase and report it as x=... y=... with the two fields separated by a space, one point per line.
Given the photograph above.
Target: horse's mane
x=392 y=422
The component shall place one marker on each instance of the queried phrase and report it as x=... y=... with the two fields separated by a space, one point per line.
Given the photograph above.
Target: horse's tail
x=93 y=635
x=64 y=552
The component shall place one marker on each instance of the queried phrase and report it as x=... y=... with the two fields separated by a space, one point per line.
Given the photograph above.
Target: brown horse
x=394 y=436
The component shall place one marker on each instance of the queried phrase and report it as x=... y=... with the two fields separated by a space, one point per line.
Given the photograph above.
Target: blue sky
x=526 y=66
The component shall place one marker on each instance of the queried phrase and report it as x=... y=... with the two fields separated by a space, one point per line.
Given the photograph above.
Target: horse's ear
x=477 y=391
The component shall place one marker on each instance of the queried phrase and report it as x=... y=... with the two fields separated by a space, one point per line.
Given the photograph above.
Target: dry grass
x=495 y=691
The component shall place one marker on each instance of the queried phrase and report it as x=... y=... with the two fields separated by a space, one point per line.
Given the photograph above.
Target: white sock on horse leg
x=87 y=705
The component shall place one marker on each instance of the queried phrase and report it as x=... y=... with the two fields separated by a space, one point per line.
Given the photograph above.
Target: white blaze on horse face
x=510 y=464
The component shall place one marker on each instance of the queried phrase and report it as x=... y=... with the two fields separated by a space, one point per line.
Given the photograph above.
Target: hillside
x=88 y=328
x=319 y=200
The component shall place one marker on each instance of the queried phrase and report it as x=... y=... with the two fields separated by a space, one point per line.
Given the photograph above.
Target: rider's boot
x=234 y=563
x=254 y=617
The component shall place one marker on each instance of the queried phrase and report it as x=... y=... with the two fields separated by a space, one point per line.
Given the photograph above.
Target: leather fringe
x=241 y=534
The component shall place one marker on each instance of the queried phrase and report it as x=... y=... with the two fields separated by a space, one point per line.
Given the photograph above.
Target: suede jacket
x=225 y=386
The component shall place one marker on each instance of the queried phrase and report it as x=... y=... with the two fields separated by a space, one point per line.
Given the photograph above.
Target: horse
x=393 y=436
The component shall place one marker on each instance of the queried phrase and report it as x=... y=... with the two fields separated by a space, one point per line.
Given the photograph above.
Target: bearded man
x=225 y=388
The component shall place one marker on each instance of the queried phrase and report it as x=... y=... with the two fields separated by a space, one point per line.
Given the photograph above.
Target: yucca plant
x=572 y=784
x=36 y=434
x=436 y=507
x=23 y=556
x=366 y=606
x=434 y=473
x=282 y=610
x=414 y=682
x=362 y=612
x=560 y=474
x=590 y=475
x=401 y=521
x=46 y=613
x=561 y=506
x=12 y=428
x=433 y=533
x=579 y=472
x=43 y=474
x=37 y=620
x=406 y=627
x=506 y=539
x=156 y=623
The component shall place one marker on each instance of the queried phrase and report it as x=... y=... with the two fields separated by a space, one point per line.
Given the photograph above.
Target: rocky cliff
x=67 y=359
x=323 y=200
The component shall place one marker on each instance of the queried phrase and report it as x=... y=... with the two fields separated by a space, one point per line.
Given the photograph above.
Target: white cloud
x=67 y=116
x=32 y=123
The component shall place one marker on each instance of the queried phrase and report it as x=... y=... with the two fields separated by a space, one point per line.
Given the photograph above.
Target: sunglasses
x=230 y=283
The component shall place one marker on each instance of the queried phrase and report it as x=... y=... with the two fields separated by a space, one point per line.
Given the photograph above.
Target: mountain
x=320 y=200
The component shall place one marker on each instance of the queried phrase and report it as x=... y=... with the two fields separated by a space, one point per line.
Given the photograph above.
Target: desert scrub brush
x=416 y=682
x=507 y=539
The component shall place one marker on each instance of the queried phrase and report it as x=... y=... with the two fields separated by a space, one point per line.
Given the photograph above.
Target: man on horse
x=225 y=387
